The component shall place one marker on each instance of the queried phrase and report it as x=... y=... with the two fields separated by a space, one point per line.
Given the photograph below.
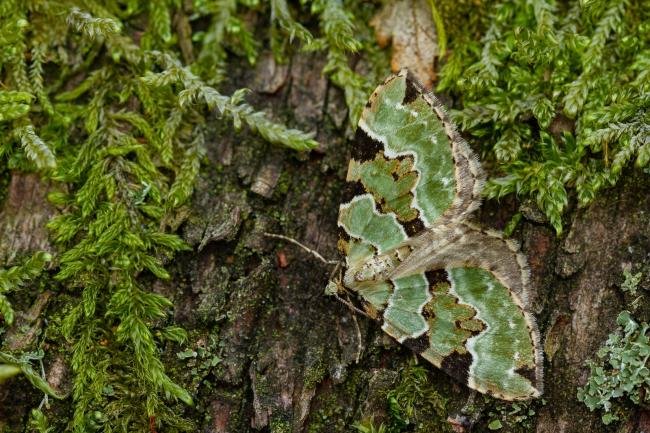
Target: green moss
x=283 y=185
x=330 y=412
x=416 y=404
x=413 y=404
x=555 y=93
x=13 y=278
x=369 y=426
x=511 y=417
x=316 y=371
x=280 y=426
x=113 y=105
x=118 y=124
x=329 y=417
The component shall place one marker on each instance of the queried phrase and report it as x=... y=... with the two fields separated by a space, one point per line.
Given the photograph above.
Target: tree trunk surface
x=275 y=354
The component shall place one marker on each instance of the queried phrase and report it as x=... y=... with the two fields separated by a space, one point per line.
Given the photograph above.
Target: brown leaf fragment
x=283 y=262
x=410 y=27
x=457 y=424
x=57 y=375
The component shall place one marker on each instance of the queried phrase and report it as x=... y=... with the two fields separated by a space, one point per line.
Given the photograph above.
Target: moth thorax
x=375 y=269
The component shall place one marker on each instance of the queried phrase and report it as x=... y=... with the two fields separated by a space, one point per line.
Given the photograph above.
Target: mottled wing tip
x=470 y=176
x=405 y=72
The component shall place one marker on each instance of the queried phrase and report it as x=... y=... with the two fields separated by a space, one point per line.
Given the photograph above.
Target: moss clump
x=110 y=103
x=280 y=426
x=316 y=370
x=556 y=93
x=16 y=276
x=330 y=412
x=413 y=404
x=329 y=417
x=511 y=417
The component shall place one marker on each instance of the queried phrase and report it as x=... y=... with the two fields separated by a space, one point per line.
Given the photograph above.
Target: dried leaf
x=410 y=27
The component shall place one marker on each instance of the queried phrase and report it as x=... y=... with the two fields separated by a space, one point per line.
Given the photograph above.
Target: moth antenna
x=304 y=247
x=336 y=269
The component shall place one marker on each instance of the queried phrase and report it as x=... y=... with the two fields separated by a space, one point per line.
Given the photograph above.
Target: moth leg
x=358 y=329
x=336 y=269
x=348 y=303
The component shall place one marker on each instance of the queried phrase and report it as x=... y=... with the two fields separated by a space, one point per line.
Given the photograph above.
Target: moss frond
x=558 y=99
x=17 y=276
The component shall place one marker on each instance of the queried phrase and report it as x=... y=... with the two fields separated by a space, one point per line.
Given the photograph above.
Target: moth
x=452 y=292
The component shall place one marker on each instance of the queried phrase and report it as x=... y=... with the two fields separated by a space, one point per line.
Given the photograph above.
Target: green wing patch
x=504 y=355
x=451 y=323
x=403 y=315
x=455 y=294
x=361 y=219
x=402 y=120
x=390 y=181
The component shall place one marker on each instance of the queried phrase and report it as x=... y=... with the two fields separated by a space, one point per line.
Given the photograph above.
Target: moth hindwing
x=454 y=293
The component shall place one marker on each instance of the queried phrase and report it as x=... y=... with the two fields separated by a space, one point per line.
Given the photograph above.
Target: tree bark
x=277 y=355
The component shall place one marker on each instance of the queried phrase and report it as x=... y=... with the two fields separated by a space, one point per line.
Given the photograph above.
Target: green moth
x=452 y=292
